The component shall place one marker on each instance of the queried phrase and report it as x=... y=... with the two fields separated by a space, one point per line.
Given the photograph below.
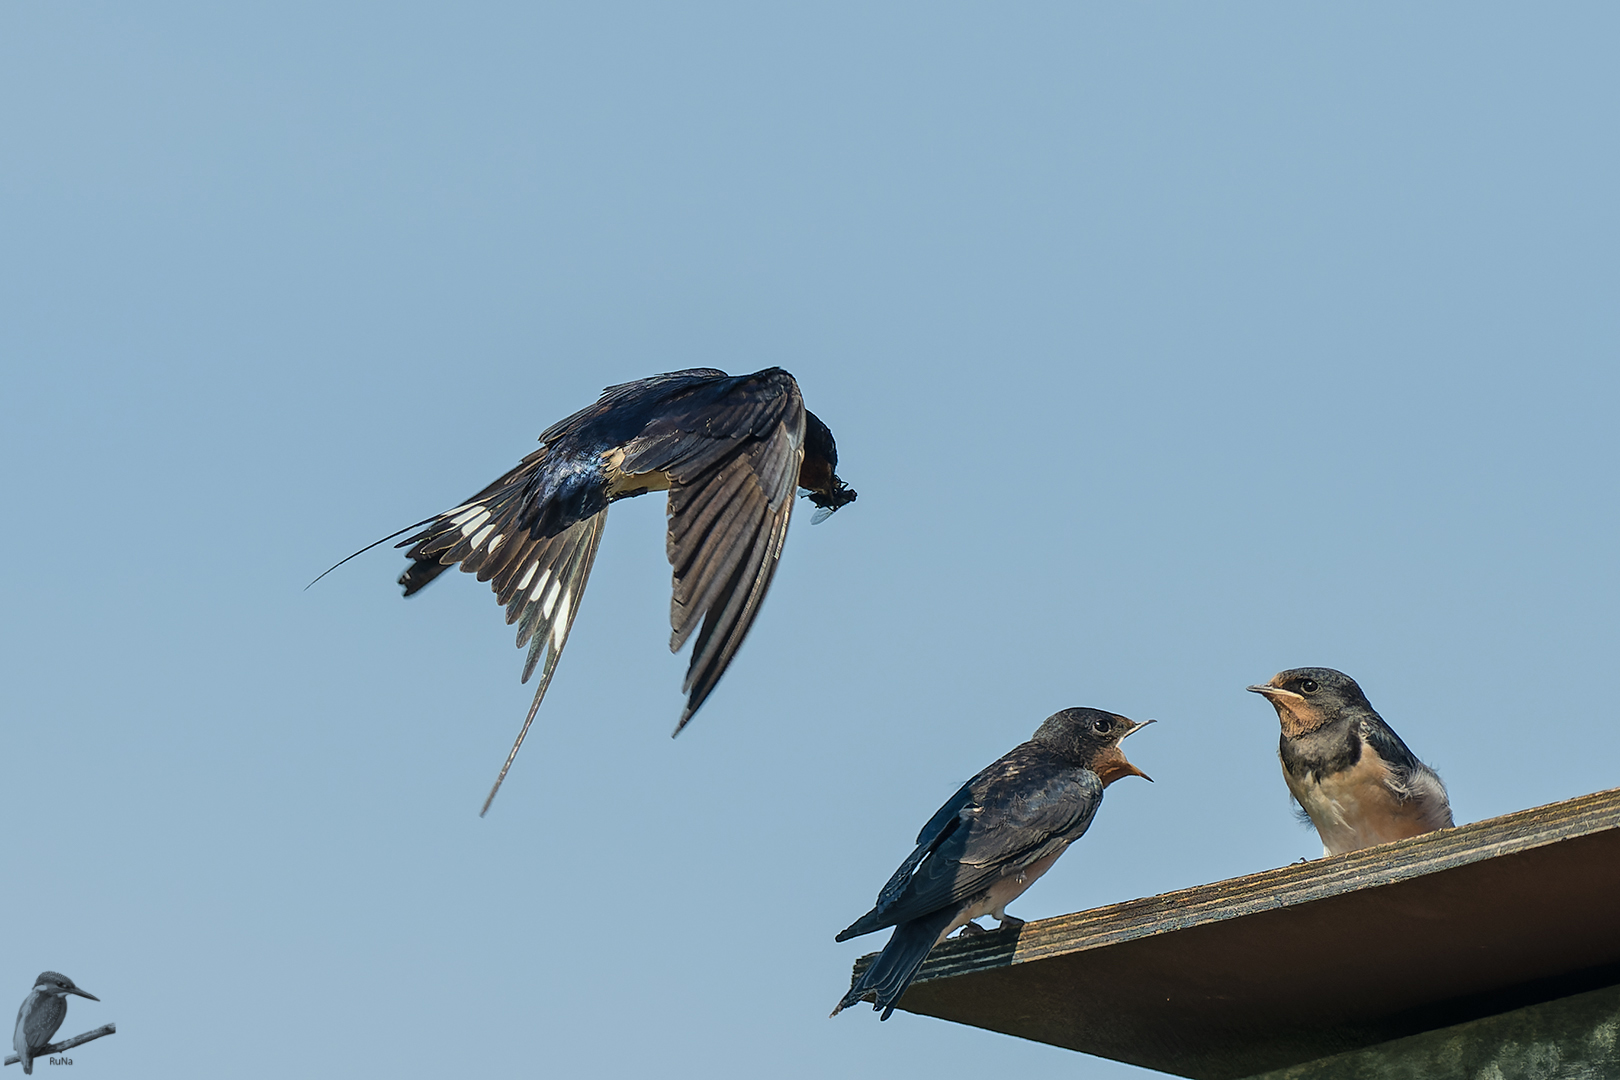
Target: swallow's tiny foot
x=972 y=929
x=1010 y=923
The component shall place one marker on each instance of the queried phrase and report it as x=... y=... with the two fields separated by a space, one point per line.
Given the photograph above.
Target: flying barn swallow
x=983 y=848
x=1347 y=768
x=729 y=450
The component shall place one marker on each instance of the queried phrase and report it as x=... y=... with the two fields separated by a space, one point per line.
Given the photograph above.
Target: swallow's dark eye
x=1103 y=726
x=1307 y=686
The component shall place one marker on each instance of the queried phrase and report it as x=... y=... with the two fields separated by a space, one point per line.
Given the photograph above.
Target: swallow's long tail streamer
x=545 y=613
x=899 y=962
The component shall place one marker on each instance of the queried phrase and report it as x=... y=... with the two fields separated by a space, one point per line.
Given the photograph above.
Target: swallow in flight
x=1347 y=768
x=983 y=848
x=729 y=449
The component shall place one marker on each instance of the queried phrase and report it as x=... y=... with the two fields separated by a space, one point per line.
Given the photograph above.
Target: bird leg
x=972 y=929
x=1009 y=922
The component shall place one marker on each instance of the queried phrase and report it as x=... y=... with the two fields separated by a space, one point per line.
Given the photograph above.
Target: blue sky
x=1167 y=345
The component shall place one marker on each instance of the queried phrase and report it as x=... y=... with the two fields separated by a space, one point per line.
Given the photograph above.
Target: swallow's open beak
x=1132 y=769
x=1127 y=769
x=1118 y=765
x=82 y=993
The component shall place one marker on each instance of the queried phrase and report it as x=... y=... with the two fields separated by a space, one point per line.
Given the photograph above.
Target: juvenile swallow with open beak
x=1346 y=767
x=730 y=450
x=984 y=847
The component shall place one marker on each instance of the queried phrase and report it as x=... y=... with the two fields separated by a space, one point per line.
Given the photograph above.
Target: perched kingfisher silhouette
x=40 y=1014
x=729 y=450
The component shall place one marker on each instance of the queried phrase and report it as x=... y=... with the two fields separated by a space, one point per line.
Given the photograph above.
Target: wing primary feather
x=936 y=832
x=712 y=573
x=577 y=553
x=1005 y=836
x=731 y=624
x=725 y=579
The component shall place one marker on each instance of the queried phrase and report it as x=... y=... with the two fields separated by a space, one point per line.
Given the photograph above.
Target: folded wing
x=996 y=835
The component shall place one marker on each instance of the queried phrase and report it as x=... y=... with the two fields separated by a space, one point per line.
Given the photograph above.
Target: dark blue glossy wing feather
x=944 y=821
x=892 y=971
x=729 y=449
x=1021 y=814
x=732 y=452
x=1383 y=739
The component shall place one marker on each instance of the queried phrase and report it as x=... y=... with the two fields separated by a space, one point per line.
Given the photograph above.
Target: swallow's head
x=1092 y=737
x=50 y=982
x=1308 y=698
x=818 y=474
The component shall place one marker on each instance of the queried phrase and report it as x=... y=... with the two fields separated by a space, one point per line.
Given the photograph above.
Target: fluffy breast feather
x=1370 y=802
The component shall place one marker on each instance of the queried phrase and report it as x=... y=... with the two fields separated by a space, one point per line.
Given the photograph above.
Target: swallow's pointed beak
x=1274 y=693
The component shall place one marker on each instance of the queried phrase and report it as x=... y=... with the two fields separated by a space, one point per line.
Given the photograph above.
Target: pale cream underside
x=1356 y=808
x=621 y=482
x=1002 y=893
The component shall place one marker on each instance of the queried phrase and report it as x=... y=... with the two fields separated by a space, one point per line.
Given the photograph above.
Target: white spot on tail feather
x=477 y=518
x=482 y=535
x=551 y=598
x=495 y=543
x=466 y=514
x=527 y=574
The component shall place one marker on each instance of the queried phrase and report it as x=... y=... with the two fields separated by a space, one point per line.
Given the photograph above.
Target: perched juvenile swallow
x=1349 y=770
x=40 y=1014
x=729 y=450
x=983 y=848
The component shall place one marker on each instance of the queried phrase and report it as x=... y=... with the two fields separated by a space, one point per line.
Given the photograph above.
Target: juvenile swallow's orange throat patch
x=1301 y=722
x=1111 y=765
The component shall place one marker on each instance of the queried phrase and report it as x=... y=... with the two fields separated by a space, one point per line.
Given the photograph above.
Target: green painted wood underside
x=1575 y=1038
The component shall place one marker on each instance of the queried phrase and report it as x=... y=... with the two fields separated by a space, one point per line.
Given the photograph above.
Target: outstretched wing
x=457 y=534
x=539 y=579
x=1000 y=835
x=543 y=600
x=732 y=456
